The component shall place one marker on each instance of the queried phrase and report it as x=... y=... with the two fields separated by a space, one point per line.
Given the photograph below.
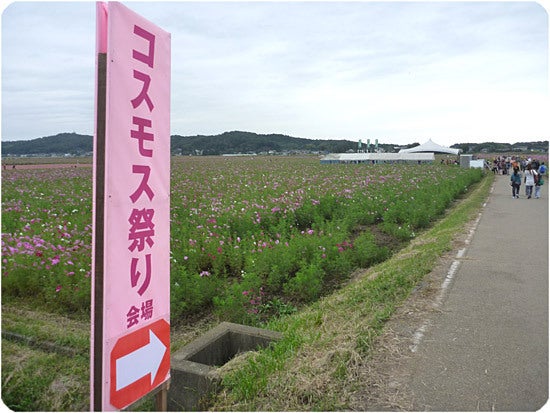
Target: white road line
x=419 y=333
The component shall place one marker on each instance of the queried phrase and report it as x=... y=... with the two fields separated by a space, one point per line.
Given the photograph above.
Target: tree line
x=236 y=142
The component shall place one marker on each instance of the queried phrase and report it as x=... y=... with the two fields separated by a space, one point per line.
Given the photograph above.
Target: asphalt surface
x=487 y=349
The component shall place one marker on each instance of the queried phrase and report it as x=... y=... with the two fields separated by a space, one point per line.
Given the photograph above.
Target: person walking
x=515 y=181
x=538 y=184
x=540 y=180
x=529 y=181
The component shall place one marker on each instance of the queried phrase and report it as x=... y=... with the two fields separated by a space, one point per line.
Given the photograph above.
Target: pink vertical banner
x=135 y=263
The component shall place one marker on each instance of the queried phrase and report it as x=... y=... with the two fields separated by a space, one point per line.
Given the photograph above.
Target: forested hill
x=238 y=142
x=62 y=143
x=228 y=142
x=248 y=142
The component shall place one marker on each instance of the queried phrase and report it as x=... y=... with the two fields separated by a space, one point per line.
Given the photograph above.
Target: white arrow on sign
x=140 y=362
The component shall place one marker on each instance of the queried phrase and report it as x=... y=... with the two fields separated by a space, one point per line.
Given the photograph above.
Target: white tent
x=430 y=146
x=378 y=158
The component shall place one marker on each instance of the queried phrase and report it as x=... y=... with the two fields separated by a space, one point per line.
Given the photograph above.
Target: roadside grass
x=315 y=365
x=62 y=333
x=46 y=359
x=35 y=380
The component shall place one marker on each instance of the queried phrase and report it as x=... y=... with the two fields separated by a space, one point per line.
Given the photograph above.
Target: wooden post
x=161 y=398
x=99 y=239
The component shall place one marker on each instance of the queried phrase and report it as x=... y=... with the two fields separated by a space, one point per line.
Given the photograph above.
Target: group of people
x=532 y=176
x=502 y=165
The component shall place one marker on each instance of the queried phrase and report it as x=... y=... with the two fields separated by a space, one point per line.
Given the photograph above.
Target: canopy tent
x=430 y=146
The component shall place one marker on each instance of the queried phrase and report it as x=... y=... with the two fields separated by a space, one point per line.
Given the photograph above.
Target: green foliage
x=277 y=308
x=367 y=252
x=306 y=286
x=62 y=143
x=359 y=310
x=495 y=147
x=240 y=302
x=289 y=228
x=33 y=380
x=190 y=293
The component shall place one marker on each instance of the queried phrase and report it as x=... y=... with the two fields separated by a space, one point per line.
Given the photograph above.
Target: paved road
x=488 y=347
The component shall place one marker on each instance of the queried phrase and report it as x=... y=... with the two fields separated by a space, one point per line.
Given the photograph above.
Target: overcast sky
x=397 y=72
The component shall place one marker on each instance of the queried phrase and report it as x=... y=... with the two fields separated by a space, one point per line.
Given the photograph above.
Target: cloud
x=47 y=69
x=354 y=70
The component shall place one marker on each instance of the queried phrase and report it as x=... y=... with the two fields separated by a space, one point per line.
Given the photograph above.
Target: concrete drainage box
x=194 y=375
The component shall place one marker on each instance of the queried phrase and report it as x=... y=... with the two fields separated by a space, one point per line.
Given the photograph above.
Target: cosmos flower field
x=251 y=237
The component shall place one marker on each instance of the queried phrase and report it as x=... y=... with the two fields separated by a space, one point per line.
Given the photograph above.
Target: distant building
x=377 y=158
